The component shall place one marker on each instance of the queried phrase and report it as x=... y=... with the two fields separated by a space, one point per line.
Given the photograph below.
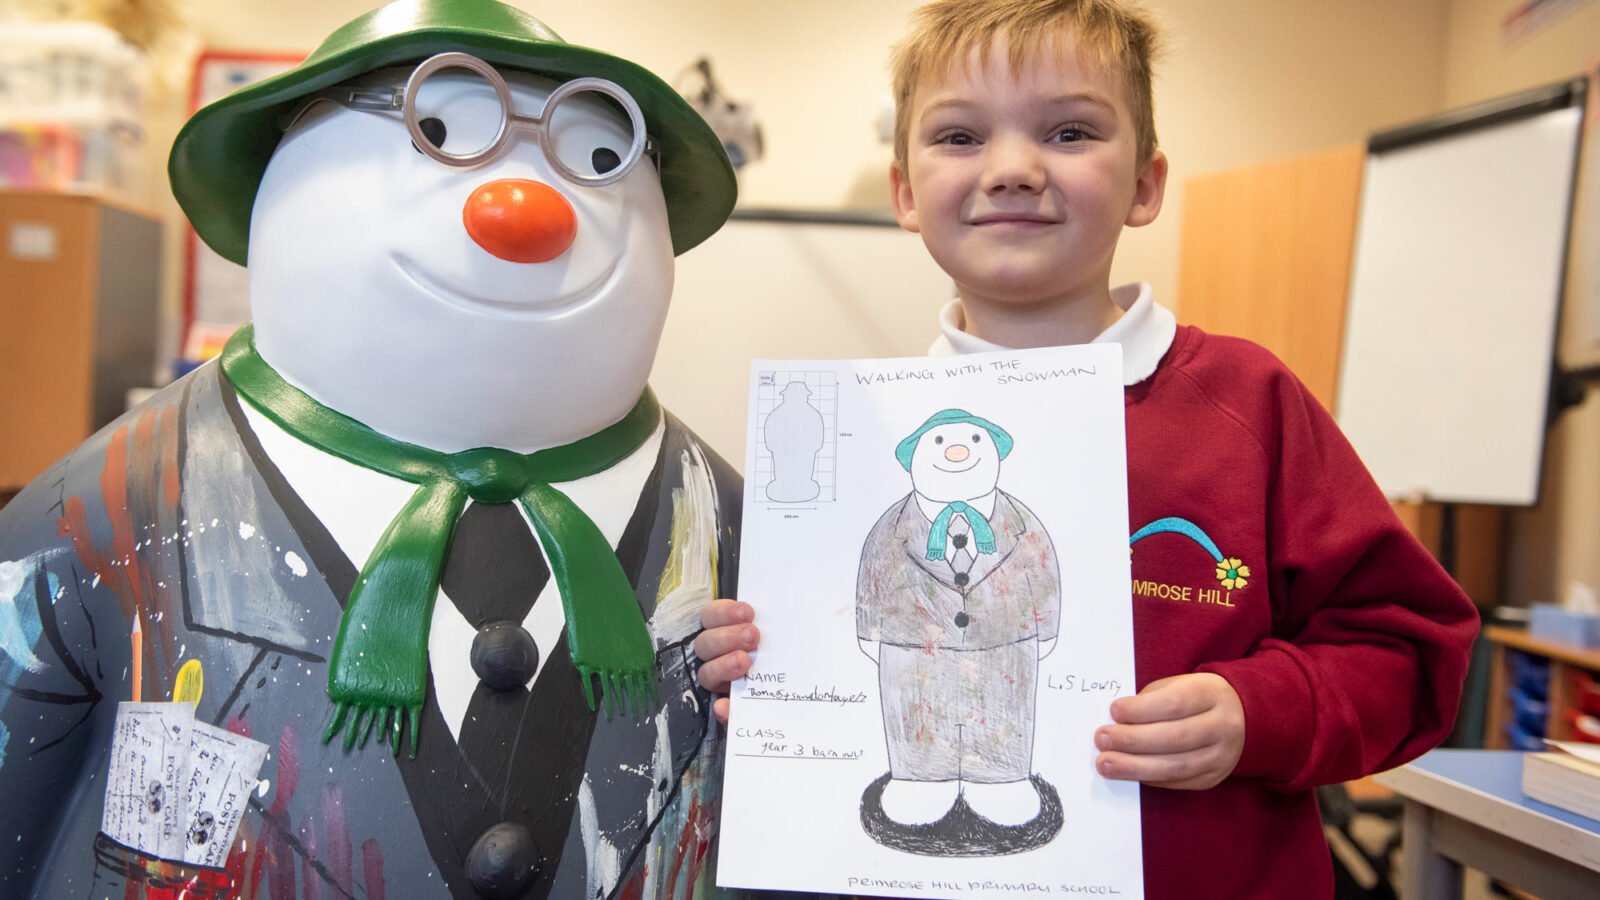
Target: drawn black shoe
x=916 y=802
x=1005 y=803
x=962 y=831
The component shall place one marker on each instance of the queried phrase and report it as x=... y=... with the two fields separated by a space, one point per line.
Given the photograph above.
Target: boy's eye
x=957 y=138
x=1069 y=135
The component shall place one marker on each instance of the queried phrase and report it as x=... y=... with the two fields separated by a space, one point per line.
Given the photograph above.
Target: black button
x=959 y=540
x=504 y=655
x=961 y=579
x=502 y=862
x=962 y=620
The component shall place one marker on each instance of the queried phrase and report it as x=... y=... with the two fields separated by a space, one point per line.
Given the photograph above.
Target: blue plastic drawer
x=1530 y=674
x=1529 y=713
x=1521 y=740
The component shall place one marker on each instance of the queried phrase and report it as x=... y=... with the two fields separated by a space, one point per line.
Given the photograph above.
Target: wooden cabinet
x=79 y=287
x=1568 y=666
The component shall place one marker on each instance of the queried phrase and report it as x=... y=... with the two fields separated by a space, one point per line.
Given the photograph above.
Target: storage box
x=1552 y=623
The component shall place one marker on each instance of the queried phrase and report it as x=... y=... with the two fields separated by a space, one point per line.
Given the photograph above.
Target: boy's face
x=1021 y=184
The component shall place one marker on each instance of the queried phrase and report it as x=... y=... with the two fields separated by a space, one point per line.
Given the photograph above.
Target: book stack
x=1567 y=776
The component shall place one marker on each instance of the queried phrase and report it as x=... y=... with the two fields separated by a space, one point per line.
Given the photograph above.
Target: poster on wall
x=216 y=295
x=941 y=577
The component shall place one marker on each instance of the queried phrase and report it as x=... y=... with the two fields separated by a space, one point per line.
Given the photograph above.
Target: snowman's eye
x=432 y=129
x=977 y=439
x=938 y=440
x=604 y=159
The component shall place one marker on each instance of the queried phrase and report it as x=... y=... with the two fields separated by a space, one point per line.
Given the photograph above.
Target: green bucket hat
x=221 y=153
x=904 y=450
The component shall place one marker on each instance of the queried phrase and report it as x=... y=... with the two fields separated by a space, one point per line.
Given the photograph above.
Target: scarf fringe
x=634 y=691
x=397 y=723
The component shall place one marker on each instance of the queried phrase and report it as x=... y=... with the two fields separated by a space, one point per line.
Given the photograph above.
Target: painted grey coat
x=146 y=517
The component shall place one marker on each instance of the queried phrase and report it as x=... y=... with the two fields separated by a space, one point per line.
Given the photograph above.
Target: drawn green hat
x=221 y=154
x=1002 y=440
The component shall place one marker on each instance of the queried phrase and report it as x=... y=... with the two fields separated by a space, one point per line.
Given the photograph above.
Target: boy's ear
x=905 y=205
x=1148 y=190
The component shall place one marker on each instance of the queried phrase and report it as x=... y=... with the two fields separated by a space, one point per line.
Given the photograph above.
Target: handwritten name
x=815 y=695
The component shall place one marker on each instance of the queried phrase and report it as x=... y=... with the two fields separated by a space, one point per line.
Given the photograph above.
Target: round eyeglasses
x=540 y=126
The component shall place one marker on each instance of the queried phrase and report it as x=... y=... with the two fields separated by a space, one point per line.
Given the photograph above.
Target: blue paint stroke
x=1175 y=525
x=19 y=616
x=5 y=738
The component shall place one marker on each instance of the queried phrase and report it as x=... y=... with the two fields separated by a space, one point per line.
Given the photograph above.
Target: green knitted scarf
x=380 y=656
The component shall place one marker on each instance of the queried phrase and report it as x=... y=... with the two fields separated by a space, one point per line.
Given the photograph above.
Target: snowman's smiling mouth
x=522 y=308
x=975 y=461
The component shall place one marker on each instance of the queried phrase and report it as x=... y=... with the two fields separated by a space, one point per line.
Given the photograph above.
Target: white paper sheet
x=177 y=788
x=144 y=806
x=221 y=773
x=978 y=636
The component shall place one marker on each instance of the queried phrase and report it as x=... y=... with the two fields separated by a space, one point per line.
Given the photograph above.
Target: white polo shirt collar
x=1145 y=330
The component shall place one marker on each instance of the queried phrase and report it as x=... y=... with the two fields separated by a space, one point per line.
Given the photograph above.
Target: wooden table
x=1465 y=807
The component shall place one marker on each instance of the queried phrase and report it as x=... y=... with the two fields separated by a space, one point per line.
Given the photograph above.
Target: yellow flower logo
x=1232 y=573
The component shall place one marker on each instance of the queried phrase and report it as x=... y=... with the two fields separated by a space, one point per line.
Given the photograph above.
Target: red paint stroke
x=120 y=566
x=243 y=858
x=170 y=485
x=237 y=725
x=372 y=868
x=633 y=889
x=697 y=829
x=338 y=856
x=288 y=772
x=274 y=846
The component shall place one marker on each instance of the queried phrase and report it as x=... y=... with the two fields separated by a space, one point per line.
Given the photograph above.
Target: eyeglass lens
x=584 y=129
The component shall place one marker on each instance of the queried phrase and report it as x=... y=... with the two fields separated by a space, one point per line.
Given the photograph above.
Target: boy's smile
x=1021 y=182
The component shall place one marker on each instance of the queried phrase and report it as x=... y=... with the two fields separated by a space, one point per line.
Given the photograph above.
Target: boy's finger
x=1175 y=736
x=1164 y=769
x=720 y=707
x=715 y=642
x=720 y=613
x=716 y=675
x=1161 y=701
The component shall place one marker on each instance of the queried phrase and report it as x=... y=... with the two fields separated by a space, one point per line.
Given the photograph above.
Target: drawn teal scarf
x=982 y=534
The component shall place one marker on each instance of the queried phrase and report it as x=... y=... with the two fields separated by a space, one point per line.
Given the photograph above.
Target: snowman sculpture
x=423 y=531
x=958 y=598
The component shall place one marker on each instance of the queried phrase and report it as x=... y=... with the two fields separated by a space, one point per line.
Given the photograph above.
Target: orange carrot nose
x=520 y=220
x=957 y=453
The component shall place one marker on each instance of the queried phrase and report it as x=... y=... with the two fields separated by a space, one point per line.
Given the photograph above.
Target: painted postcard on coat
x=937 y=551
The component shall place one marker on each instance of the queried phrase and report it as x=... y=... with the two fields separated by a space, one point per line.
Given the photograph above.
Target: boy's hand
x=1184 y=732
x=724 y=648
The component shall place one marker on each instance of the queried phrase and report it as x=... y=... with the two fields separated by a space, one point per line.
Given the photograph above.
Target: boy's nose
x=1015 y=164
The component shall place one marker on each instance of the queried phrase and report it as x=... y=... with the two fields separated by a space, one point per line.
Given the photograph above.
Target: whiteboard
x=1454 y=299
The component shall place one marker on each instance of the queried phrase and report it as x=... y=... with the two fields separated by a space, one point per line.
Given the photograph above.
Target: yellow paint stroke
x=191 y=682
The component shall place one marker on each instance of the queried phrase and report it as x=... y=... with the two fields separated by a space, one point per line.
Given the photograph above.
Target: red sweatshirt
x=1274 y=561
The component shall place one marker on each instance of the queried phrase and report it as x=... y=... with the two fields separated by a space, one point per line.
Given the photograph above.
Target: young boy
x=1024 y=144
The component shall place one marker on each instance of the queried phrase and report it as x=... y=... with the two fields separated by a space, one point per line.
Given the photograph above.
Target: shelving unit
x=1565 y=662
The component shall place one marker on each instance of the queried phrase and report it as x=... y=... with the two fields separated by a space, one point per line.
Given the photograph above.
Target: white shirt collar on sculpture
x=1145 y=331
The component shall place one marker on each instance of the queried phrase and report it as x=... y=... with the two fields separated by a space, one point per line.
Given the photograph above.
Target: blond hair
x=1116 y=35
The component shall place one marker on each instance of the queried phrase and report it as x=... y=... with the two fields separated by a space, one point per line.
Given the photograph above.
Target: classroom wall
x=1553 y=549
x=1246 y=82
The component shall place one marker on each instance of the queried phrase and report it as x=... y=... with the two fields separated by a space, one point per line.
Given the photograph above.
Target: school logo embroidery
x=1232 y=573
